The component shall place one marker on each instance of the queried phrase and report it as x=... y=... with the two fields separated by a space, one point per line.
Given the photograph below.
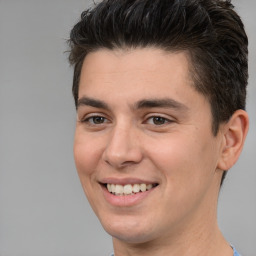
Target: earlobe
x=234 y=134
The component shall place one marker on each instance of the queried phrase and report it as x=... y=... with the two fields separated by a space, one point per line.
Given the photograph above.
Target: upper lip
x=124 y=181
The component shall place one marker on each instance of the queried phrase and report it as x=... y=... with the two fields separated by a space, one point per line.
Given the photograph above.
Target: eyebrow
x=161 y=103
x=145 y=103
x=85 y=101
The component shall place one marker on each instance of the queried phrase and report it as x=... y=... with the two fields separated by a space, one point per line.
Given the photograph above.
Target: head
x=209 y=31
x=149 y=75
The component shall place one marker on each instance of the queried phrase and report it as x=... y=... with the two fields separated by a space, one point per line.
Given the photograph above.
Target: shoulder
x=235 y=252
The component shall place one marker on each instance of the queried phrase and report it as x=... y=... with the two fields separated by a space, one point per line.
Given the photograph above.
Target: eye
x=158 y=120
x=95 y=120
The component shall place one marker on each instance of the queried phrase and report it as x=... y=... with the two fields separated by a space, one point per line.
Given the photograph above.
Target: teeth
x=136 y=188
x=119 y=189
x=113 y=188
x=128 y=189
x=143 y=187
x=149 y=186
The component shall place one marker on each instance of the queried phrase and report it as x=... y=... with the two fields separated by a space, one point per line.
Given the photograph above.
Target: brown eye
x=158 y=120
x=97 y=120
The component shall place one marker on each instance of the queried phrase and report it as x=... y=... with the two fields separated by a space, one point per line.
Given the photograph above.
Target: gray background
x=43 y=210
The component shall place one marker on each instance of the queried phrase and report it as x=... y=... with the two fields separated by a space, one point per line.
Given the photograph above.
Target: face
x=144 y=148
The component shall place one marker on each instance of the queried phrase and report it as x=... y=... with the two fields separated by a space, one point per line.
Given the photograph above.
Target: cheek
x=187 y=170
x=170 y=153
x=184 y=161
x=86 y=155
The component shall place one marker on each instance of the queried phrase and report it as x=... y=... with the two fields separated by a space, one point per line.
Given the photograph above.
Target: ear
x=234 y=134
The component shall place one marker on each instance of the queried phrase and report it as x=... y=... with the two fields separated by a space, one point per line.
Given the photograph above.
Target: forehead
x=149 y=68
x=125 y=60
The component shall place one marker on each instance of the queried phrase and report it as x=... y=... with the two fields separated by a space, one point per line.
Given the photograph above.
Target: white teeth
x=113 y=188
x=143 y=187
x=136 y=188
x=119 y=189
x=128 y=189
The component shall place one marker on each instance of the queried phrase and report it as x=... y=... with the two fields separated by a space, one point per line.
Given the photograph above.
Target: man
x=159 y=87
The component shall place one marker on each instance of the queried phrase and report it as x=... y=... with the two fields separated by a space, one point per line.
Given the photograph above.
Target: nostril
x=118 y=163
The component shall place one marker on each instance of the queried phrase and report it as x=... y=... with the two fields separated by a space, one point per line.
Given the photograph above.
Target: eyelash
x=93 y=118
x=155 y=118
x=163 y=119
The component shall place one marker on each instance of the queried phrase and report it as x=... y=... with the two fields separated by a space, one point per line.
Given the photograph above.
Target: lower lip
x=127 y=200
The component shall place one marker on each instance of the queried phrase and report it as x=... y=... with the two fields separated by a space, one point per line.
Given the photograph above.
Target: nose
x=123 y=148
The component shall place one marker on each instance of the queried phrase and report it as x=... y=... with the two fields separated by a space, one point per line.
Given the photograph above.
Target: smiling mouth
x=128 y=189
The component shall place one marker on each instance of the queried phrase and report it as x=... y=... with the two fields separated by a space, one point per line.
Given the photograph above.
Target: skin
x=119 y=135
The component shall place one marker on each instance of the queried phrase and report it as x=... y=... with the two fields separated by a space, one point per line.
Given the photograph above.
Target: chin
x=131 y=238
x=129 y=231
